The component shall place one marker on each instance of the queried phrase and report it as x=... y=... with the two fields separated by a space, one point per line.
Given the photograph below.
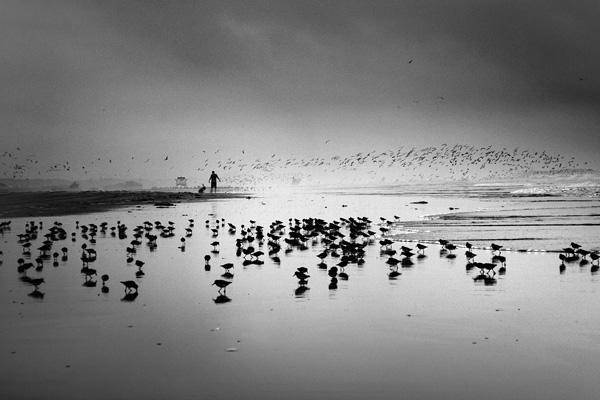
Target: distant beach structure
x=181 y=182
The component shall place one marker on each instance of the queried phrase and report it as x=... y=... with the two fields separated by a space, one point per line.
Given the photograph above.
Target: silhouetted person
x=213 y=181
x=202 y=189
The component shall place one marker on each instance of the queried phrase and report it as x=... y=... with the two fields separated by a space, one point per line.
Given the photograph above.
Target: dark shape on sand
x=36 y=294
x=130 y=296
x=88 y=282
x=394 y=275
x=300 y=290
x=221 y=299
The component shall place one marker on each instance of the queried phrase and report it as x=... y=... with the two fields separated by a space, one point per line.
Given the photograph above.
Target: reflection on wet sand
x=355 y=286
x=130 y=296
x=220 y=299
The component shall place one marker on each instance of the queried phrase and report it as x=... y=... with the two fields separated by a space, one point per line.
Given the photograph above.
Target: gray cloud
x=103 y=71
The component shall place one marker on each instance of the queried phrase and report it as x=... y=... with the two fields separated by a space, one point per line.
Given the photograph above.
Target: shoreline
x=46 y=204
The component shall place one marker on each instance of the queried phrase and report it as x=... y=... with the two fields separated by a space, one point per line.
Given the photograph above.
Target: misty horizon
x=135 y=82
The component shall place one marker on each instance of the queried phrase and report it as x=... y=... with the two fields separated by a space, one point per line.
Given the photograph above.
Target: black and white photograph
x=299 y=199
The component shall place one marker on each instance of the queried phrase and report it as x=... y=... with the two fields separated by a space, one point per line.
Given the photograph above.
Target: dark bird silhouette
x=222 y=285
x=139 y=272
x=130 y=286
x=227 y=266
x=104 y=279
x=333 y=283
x=496 y=247
x=470 y=255
x=394 y=274
x=301 y=275
x=36 y=282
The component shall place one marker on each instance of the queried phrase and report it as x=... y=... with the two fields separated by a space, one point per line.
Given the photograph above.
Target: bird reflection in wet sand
x=227 y=267
x=489 y=267
x=89 y=282
x=105 y=288
x=333 y=283
x=36 y=294
x=35 y=283
x=486 y=279
x=139 y=273
x=394 y=274
x=130 y=286
x=301 y=290
x=450 y=247
x=562 y=267
x=220 y=299
x=421 y=250
x=130 y=296
x=302 y=276
x=499 y=260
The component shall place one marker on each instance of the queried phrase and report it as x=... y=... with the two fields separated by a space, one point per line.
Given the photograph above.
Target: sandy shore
x=436 y=331
x=37 y=204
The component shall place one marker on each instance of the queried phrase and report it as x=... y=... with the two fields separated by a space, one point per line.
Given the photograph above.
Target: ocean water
x=433 y=333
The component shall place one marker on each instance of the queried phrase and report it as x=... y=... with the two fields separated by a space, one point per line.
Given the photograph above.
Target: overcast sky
x=122 y=79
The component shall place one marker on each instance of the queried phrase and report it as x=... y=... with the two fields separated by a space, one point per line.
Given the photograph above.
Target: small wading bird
x=496 y=247
x=130 y=286
x=470 y=256
x=104 y=279
x=36 y=282
x=341 y=242
x=222 y=285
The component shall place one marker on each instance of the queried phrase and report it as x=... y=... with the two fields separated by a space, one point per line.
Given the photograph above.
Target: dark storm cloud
x=546 y=47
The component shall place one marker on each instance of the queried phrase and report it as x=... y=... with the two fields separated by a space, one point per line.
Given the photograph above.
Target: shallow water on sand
x=519 y=224
x=432 y=333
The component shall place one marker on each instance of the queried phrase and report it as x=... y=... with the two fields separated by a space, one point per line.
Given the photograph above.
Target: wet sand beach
x=34 y=204
x=436 y=331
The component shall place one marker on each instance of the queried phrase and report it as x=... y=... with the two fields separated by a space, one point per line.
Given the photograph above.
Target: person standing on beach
x=213 y=181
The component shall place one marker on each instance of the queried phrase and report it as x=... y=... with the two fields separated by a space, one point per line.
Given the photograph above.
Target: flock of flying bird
x=341 y=243
x=403 y=164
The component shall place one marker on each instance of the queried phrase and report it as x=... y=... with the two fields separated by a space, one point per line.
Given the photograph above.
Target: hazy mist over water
x=117 y=87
